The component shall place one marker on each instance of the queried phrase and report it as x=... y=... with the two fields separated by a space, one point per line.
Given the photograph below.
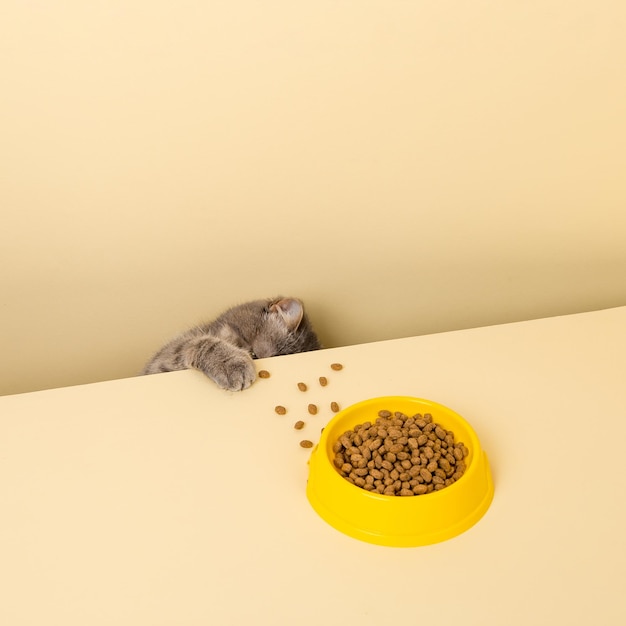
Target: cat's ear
x=290 y=310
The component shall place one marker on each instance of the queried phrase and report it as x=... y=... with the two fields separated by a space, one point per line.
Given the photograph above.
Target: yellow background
x=405 y=167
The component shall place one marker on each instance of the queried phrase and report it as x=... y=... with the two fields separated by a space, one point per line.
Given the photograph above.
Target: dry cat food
x=312 y=409
x=399 y=455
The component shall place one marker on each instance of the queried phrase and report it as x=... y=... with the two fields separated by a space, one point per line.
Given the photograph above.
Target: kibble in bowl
x=407 y=492
x=400 y=455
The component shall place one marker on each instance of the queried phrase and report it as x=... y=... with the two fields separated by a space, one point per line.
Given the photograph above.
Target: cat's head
x=272 y=327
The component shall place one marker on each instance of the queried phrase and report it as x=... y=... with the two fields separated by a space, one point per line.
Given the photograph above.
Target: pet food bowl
x=401 y=521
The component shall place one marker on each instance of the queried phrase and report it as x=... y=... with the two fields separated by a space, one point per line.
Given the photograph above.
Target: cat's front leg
x=230 y=367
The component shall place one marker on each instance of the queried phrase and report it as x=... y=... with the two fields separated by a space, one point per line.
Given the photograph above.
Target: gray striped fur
x=224 y=348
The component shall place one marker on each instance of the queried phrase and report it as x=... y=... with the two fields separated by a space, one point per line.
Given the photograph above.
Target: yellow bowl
x=401 y=521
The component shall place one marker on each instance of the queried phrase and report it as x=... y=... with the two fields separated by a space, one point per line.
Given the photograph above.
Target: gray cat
x=224 y=349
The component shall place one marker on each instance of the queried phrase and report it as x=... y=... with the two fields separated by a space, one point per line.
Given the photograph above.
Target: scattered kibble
x=313 y=409
x=399 y=455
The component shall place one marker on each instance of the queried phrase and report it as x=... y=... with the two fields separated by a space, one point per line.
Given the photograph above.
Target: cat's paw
x=230 y=367
x=235 y=373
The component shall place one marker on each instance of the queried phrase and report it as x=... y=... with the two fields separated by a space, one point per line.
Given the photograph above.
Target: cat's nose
x=261 y=351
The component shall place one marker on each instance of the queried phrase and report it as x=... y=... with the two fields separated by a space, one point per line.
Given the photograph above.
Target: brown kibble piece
x=281 y=410
x=323 y=381
x=305 y=443
x=426 y=475
x=312 y=409
x=334 y=407
x=336 y=366
x=302 y=387
x=299 y=425
x=264 y=374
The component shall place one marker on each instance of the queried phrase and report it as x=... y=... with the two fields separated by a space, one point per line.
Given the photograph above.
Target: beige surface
x=406 y=167
x=164 y=501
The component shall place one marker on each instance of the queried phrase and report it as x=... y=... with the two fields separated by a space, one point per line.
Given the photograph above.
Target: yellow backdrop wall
x=405 y=167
